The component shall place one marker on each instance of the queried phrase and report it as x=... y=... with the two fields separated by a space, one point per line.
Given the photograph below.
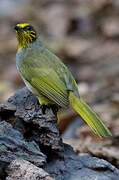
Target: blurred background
x=85 y=35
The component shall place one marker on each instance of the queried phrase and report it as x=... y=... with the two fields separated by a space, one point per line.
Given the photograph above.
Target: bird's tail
x=89 y=116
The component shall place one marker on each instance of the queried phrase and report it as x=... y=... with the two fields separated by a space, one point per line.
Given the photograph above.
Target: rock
x=83 y=167
x=39 y=127
x=12 y=140
x=31 y=146
x=24 y=170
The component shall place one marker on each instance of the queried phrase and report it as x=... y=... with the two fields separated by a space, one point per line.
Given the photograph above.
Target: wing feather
x=47 y=83
x=48 y=75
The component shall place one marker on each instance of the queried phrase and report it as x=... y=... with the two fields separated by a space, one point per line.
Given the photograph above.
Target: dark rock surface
x=31 y=146
x=12 y=140
x=24 y=113
x=22 y=169
x=83 y=167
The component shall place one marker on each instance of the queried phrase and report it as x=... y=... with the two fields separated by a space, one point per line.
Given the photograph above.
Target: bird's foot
x=44 y=107
x=53 y=107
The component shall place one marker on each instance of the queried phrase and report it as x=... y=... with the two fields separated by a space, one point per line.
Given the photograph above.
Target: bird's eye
x=29 y=27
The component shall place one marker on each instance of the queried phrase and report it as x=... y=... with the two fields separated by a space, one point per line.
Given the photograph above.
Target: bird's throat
x=24 y=40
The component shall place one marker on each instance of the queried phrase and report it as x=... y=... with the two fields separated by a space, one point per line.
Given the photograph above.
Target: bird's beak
x=17 y=28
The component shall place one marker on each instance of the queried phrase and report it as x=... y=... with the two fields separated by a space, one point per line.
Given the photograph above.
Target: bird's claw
x=53 y=107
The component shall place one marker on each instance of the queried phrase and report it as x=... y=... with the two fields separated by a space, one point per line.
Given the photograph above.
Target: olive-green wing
x=48 y=75
x=45 y=59
x=47 y=83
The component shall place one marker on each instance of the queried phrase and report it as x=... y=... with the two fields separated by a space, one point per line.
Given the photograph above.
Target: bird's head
x=25 y=34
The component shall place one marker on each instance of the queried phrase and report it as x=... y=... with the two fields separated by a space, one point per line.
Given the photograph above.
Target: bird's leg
x=54 y=108
x=44 y=107
x=44 y=102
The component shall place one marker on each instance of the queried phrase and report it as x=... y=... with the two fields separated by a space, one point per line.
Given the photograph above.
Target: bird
x=49 y=79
